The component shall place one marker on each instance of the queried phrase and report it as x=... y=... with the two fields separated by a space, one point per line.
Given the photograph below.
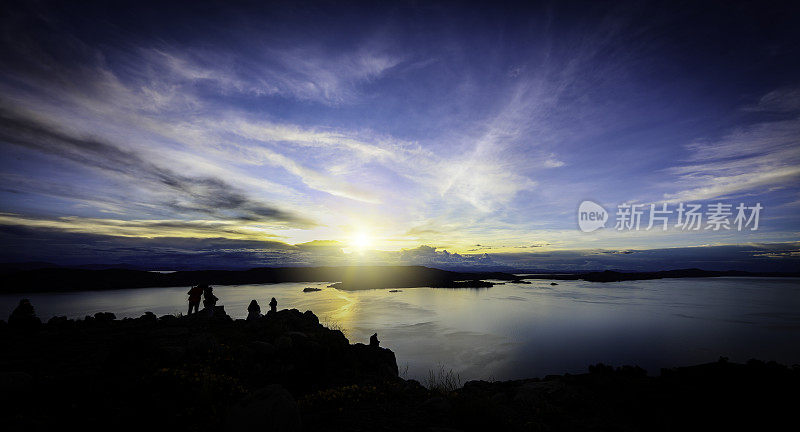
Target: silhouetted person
x=194 y=298
x=24 y=316
x=253 y=311
x=273 y=304
x=373 y=340
x=209 y=299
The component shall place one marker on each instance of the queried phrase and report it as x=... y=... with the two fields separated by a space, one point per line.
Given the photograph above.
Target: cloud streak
x=205 y=195
x=761 y=155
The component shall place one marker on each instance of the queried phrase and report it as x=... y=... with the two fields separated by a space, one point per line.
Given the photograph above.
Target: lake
x=514 y=330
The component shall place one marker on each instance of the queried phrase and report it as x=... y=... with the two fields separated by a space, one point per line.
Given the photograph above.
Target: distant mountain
x=31 y=277
x=350 y=278
x=617 y=276
x=22 y=266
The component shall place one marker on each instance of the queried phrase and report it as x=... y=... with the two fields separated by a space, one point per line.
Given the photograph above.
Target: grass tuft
x=443 y=380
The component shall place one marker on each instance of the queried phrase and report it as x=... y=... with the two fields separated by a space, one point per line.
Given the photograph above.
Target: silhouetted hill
x=185 y=373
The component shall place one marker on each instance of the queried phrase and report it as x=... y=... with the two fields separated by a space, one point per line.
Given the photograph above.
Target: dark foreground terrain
x=285 y=371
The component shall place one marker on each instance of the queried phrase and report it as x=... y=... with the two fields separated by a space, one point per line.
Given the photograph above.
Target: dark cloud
x=429 y=256
x=327 y=247
x=201 y=194
x=25 y=244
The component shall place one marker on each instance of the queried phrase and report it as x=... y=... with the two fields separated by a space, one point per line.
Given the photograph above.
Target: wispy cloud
x=764 y=154
x=785 y=99
x=306 y=73
x=205 y=195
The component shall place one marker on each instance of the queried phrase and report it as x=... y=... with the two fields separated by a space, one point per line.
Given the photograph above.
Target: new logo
x=591 y=216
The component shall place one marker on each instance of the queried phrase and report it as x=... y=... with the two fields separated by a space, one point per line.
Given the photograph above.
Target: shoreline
x=346 y=278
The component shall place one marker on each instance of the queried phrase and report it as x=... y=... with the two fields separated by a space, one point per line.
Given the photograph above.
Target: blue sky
x=353 y=131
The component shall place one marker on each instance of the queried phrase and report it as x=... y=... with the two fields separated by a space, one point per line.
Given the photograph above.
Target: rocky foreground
x=285 y=371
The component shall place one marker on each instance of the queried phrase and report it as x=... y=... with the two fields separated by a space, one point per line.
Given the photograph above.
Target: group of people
x=254 y=310
x=206 y=292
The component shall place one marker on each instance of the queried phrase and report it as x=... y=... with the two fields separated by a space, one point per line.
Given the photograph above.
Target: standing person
x=273 y=304
x=194 y=298
x=209 y=299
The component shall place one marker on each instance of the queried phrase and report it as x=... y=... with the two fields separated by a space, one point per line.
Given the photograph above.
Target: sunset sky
x=292 y=133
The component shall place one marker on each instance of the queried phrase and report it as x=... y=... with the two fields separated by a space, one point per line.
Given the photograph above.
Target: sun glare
x=360 y=242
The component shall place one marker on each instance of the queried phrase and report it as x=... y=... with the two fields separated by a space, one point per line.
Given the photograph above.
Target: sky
x=437 y=133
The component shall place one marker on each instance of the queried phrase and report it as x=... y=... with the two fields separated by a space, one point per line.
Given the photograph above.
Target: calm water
x=515 y=330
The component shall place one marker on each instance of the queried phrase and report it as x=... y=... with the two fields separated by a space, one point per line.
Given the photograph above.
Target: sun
x=361 y=241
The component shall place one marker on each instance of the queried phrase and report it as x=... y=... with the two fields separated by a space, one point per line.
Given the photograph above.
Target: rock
x=58 y=321
x=310 y=289
x=538 y=392
x=310 y=317
x=477 y=386
x=553 y=283
x=149 y=317
x=413 y=386
x=215 y=313
x=271 y=408
x=436 y=405
x=298 y=338
x=376 y=361
x=104 y=316
x=263 y=349
x=283 y=343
